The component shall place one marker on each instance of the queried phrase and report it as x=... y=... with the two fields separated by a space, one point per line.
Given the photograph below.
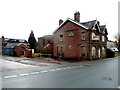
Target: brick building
x=15 y=47
x=45 y=44
x=79 y=40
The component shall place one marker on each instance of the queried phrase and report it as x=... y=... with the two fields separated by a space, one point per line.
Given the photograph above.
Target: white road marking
x=25 y=74
x=34 y=72
x=58 y=69
x=52 y=70
x=64 y=68
x=44 y=71
x=10 y=76
x=81 y=66
x=68 y=67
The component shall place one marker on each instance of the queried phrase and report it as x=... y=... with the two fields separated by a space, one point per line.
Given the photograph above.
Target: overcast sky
x=19 y=17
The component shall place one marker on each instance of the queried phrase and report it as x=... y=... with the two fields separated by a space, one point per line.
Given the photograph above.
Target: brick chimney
x=60 y=21
x=77 y=16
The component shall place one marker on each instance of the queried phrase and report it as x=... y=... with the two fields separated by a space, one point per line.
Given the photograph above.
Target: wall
x=71 y=45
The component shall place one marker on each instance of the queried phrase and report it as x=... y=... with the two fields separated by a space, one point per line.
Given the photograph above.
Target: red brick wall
x=43 y=41
x=71 y=45
x=98 y=44
x=22 y=50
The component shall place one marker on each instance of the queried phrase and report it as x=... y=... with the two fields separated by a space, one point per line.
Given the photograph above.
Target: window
x=83 y=51
x=61 y=37
x=62 y=50
x=103 y=38
x=103 y=50
x=83 y=35
x=94 y=37
x=71 y=34
x=93 y=51
x=58 y=52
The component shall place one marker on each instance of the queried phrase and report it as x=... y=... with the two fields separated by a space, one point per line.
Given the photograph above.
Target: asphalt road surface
x=99 y=75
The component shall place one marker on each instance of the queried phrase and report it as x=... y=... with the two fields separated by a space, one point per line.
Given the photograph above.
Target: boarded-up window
x=83 y=51
x=58 y=52
x=83 y=35
x=62 y=50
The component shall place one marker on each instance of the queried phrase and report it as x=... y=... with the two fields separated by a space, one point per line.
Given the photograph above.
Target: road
x=99 y=75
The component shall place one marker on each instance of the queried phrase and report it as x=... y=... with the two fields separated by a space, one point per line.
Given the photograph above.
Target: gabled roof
x=94 y=24
x=73 y=21
x=46 y=36
x=103 y=29
x=89 y=24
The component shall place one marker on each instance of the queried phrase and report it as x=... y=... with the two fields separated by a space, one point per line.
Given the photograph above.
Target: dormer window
x=61 y=37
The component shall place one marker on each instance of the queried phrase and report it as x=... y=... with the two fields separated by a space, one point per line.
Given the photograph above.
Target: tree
x=32 y=41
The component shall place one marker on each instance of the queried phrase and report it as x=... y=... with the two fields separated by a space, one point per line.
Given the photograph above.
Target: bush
x=110 y=53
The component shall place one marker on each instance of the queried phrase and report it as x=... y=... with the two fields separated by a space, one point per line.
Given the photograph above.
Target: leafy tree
x=32 y=41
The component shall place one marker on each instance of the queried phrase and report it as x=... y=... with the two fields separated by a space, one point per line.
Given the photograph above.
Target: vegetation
x=110 y=53
x=32 y=41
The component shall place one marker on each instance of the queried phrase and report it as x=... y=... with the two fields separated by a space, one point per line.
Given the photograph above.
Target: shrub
x=110 y=53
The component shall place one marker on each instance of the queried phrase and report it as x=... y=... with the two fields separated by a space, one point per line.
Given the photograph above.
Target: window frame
x=103 y=38
x=103 y=50
x=83 y=35
x=83 y=51
x=61 y=38
x=93 y=51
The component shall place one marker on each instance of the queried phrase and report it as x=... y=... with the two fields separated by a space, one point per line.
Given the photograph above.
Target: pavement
x=10 y=65
x=49 y=61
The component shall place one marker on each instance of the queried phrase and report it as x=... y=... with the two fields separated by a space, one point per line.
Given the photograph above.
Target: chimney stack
x=60 y=21
x=77 y=16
